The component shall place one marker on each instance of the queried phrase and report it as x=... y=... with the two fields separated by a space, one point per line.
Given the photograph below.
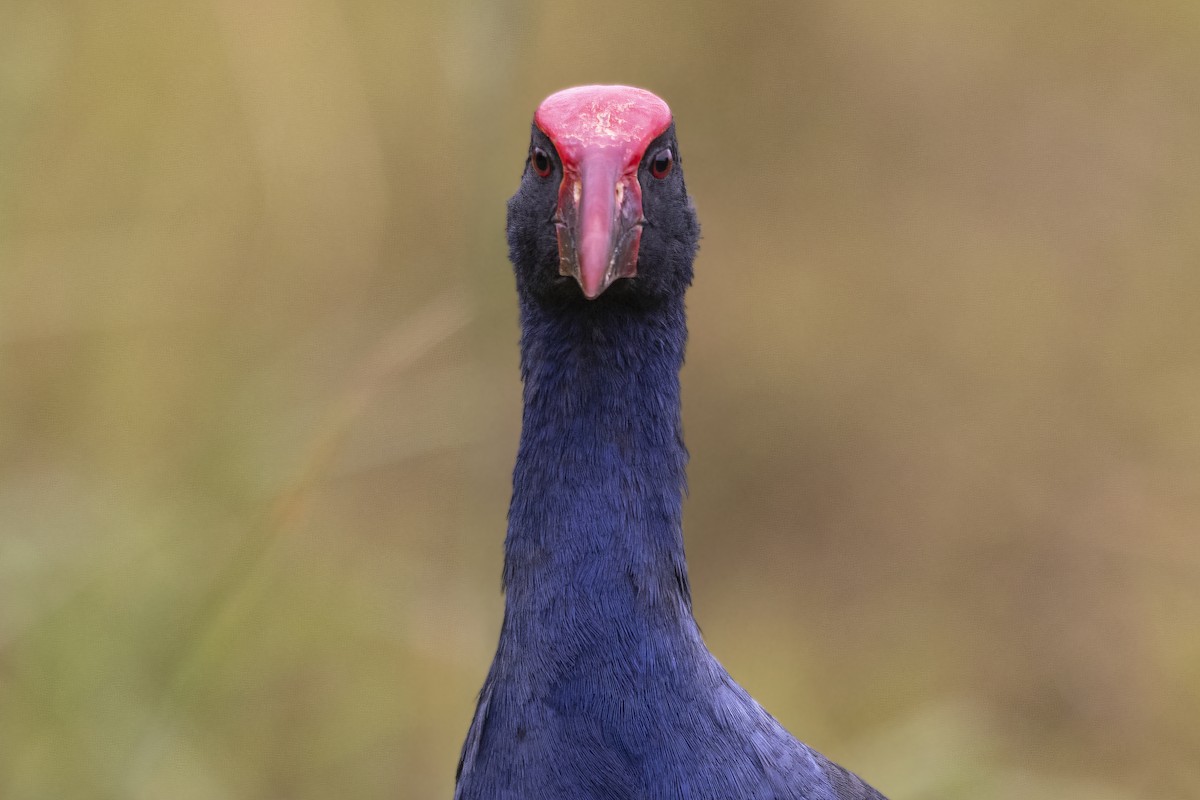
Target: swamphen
x=602 y=686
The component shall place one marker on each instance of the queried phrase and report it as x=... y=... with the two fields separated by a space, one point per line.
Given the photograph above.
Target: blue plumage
x=602 y=686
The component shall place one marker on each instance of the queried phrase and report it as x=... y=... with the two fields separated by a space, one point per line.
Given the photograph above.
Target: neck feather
x=594 y=526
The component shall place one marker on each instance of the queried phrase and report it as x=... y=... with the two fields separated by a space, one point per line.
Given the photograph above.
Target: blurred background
x=259 y=398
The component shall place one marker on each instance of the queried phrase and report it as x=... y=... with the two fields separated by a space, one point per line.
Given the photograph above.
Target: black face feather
x=668 y=243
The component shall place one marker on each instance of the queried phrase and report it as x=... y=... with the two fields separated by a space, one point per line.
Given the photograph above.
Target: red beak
x=599 y=222
x=601 y=134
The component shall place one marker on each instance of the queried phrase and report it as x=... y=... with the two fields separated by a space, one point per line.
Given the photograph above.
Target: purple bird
x=602 y=686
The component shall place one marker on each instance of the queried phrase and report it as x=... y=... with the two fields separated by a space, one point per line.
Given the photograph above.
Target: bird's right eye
x=541 y=162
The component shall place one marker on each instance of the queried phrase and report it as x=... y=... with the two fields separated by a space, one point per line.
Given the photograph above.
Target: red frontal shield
x=601 y=134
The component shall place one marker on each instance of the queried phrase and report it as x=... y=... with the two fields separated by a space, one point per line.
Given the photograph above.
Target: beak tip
x=591 y=292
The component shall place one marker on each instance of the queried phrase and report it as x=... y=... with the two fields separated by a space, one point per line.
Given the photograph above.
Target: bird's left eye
x=660 y=167
x=541 y=162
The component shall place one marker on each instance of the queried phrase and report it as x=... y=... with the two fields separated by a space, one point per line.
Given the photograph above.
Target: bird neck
x=594 y=529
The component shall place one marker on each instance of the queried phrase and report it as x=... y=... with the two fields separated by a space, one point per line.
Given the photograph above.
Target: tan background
x=259 y=398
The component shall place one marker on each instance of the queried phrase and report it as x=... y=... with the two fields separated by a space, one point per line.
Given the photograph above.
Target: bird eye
x=660 y=167
x=541 y=162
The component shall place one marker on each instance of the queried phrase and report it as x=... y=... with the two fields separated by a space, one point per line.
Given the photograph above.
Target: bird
x=602 y=687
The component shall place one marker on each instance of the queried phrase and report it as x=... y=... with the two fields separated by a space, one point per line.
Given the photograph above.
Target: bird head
x=602 y=201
